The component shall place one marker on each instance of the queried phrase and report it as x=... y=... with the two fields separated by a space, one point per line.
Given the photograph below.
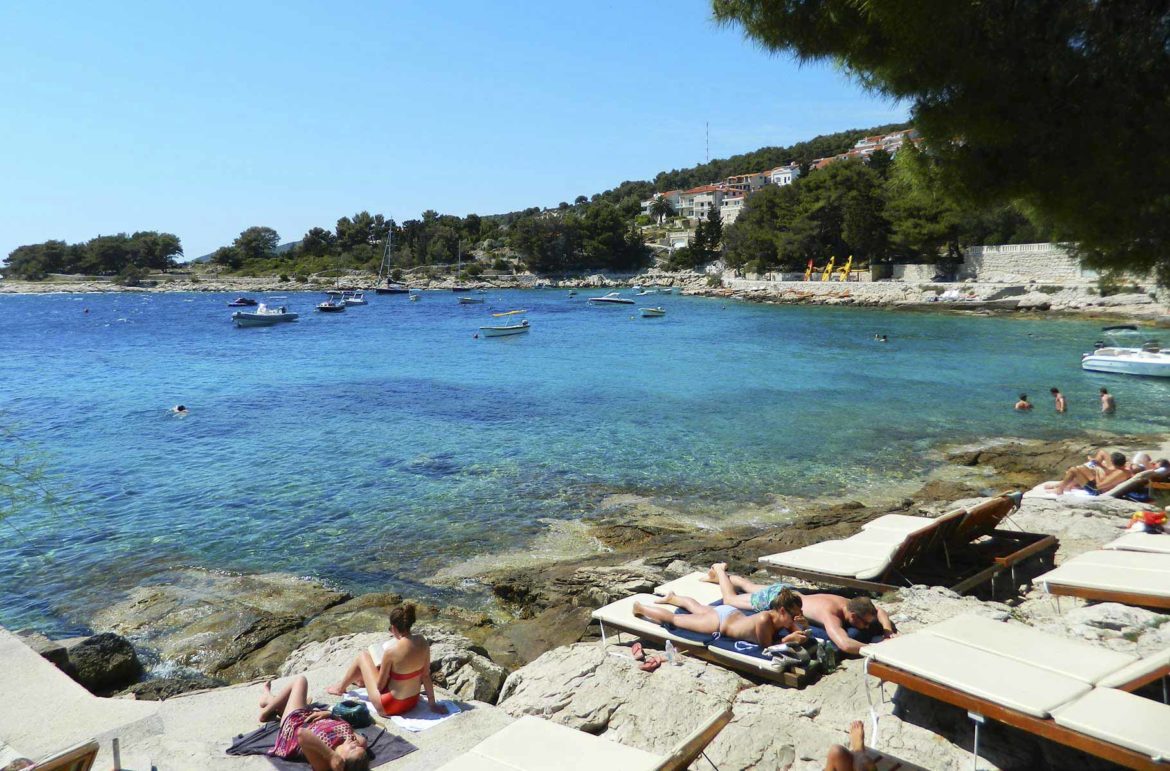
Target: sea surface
x=376 y=447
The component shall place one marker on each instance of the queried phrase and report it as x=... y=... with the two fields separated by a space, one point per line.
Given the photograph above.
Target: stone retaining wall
x=1022 y=263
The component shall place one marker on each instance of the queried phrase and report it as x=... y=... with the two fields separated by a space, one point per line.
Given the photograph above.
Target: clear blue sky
x=202 y=119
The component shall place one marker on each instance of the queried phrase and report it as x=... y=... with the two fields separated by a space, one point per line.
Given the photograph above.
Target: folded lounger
x=533 y=744
x=960 y=549
x=1135 y=484
x=733 y=654
x=1113 y=575
x=1063 y=690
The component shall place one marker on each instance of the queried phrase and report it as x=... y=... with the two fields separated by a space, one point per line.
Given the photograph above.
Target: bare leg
x=267 y=695
x=369 y=674
x=705 y=621
x=1076 y=476
x=730 y=595
x=741 y=584
x=292 y=696
x=353 y=676
x=854 y=758
x=689 y=604
x=839 y=759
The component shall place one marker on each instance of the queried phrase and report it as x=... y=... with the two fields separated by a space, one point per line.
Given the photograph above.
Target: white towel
x=420 y=718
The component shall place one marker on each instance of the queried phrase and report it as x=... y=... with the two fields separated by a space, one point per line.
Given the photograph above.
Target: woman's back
x=408 y=659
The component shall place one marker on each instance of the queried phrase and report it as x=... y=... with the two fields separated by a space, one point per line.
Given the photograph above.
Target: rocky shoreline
x=1079 y=299
x=533 y=651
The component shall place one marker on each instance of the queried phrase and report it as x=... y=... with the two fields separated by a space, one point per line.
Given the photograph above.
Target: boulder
x=104 y=663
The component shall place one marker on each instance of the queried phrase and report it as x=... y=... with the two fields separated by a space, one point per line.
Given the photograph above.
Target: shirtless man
x=1023 y=404
x=1108 y=403
x=1103 y=473
x=1059 y=400
x=762 y=628
x=840 y=619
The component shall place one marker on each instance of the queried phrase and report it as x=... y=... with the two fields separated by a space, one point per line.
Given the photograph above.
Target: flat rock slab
x=209 y=621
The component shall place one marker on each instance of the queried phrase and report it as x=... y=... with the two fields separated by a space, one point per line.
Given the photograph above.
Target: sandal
x=637 y=652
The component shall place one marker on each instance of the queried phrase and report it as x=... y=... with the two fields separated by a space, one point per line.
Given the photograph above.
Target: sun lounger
x=1111 y=575
x=533 y=744
x=77 y=758
x=1135 y=484
x=1147 y=542
x=733 y=654
x=1067 y=691
x=960 y=549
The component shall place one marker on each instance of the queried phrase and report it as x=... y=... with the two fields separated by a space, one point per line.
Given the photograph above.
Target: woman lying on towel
x=728 y=621
x=393 y=683
x=1101 y=474
x=328 y=744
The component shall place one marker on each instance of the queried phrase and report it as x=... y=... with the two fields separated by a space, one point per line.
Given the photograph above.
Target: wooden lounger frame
x=1042 y=727
x=1108 y=595
x=792 y=677
x=78 y=758
x=947 y=554
x=689 y=750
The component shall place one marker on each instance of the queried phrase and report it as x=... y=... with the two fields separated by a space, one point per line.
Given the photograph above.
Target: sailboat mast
x=387 y=255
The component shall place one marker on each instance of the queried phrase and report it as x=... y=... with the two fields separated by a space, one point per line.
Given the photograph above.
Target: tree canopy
x=1059 y=105
x=104 y=255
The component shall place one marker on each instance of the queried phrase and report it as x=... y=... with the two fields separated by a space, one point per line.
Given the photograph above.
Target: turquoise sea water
x=374 y=447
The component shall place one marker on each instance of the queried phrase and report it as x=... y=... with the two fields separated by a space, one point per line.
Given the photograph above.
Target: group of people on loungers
x=780 y=614
x=393 y=685
x=1104 y=471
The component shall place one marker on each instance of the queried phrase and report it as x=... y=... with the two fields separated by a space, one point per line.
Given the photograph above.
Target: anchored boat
x=612 y=298
x=650 y=313
x=517 y=326
x=263 y=316
x=1140 y=357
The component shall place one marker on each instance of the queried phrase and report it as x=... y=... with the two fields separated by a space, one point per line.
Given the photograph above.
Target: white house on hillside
x=730 y=207
x=784 y=175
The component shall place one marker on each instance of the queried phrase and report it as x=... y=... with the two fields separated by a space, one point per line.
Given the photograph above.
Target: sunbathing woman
x=328 y=744
x=1097 y=478
x=729 y=621
x=393 y=683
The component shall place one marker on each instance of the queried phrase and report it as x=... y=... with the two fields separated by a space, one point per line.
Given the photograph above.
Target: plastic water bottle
x=670 y=653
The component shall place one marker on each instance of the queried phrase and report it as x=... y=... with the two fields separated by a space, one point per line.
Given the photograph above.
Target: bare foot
x=336 y=690
x=638 y=609
x=712 y=575
x=857 y=736
x=267 y=696
x=667 y=600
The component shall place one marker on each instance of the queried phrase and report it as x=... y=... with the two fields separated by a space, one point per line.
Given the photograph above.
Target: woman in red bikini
x=394 y=683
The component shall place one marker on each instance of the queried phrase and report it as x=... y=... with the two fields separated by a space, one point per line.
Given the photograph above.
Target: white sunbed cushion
x=692 y=585
x=532 y=744
x=1137 y=670
x=1082 y=661
x=1120 y=718
x=856 y=559
x=621 y=614
x=1121 y=571
x=1158 y=543
x=979 y=673
x=899 y=523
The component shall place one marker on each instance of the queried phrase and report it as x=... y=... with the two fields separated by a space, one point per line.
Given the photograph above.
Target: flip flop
x=651 y=664
x=637 y=652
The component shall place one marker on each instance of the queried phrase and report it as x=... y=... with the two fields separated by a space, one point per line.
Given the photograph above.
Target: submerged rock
x=162 y=688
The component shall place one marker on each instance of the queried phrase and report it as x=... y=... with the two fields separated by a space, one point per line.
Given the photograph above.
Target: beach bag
x=353 y=712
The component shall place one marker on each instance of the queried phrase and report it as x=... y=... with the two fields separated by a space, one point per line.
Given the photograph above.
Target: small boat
x=519 y=326
x=471 y=301
x=263 y=316
x=645 y=292
x=572 y=293
x=665 y=290
x=334 y=303
x=460 y=289
x=414 y=298
x=391 y=289
x=1139 y=358
x=242 y=302
x=651 y=313
x=356 y=297
x=613 y=298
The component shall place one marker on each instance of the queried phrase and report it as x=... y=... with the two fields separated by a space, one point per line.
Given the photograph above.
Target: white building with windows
x=730 y=207
x=784 y=175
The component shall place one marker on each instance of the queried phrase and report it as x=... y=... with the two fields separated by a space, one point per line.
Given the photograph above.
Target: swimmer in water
x=179 y=409
x=1023 y=404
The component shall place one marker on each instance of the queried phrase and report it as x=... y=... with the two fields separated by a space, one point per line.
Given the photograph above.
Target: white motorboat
x=612 y=298
x=334 y=303
x=666 y=290
x=516 y=327
x=263 y=316
x=470 y=300
x=1141 y=357
x=355 y=298
x=645 y=292
x=414 y=298
x=652 y=313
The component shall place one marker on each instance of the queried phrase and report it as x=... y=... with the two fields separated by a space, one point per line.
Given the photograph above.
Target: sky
x=203 y=119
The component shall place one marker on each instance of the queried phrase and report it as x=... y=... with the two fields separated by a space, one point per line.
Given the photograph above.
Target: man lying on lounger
x=1101 y=474
x=776 y=620
x=849 y=624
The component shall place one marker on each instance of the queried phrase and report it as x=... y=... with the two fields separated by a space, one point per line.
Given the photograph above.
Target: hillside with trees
x=121 y=255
